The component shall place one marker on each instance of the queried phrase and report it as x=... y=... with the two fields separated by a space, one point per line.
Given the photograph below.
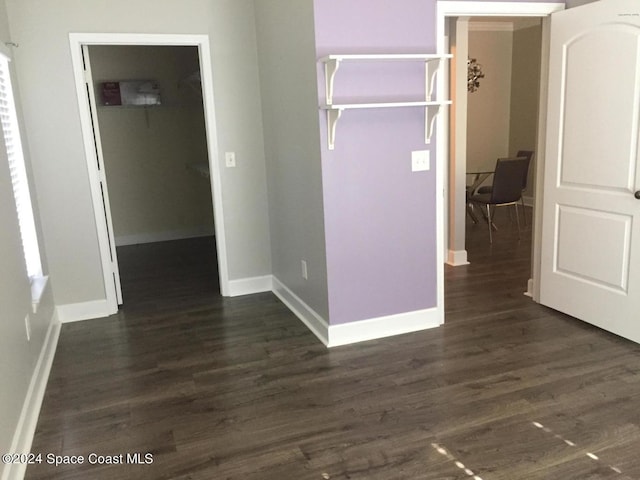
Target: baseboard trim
x=528 y=201
x=381 y=327
x=247 y=286
x=456 y=258
x=166 y=236
x=76 y=312
x=354 y=332
x=529 y=292
x=314 y=322
x=26 y=428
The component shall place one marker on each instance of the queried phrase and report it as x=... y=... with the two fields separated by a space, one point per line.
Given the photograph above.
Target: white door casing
x=458 y=8
x=103 y=219
x=590 y=255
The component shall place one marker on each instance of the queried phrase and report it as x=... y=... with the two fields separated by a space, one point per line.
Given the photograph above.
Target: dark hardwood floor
x=219 y=388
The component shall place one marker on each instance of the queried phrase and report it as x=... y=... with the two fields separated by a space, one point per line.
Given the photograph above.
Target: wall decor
x=474 y=74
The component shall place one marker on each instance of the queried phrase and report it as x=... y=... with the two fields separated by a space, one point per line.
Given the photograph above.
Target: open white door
x=102 y=179
x=590 y=261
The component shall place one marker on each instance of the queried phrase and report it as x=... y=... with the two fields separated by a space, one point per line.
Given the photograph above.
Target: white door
x=590 y=265
x=102 y=179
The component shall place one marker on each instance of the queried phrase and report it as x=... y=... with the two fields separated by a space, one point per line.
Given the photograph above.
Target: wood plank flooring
x=219 y=388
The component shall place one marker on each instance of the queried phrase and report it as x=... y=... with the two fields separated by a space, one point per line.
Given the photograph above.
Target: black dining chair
x=506 y=189
x=528 y=154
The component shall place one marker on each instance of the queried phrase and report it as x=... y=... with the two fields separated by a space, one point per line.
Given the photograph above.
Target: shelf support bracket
x=431 y=113
x=431 y=70
x=330 y=68
x=333 y=115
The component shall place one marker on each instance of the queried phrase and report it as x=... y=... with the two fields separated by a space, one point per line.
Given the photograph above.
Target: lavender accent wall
x=380 y=222
x=380 y=218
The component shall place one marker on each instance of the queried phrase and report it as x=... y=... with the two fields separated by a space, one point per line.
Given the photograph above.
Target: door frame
x=446 y=9
x=77 y=40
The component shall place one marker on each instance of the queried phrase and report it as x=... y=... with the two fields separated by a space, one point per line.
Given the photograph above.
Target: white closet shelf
x=201 y=168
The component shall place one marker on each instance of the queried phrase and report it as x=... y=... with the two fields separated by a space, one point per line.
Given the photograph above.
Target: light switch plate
x=420 y=161
x=230 y=159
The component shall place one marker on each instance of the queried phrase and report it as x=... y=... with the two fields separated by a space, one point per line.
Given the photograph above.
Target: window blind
x=13 y=146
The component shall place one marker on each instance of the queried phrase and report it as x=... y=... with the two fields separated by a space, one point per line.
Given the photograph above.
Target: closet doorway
x=156 y=166
x=146 y=105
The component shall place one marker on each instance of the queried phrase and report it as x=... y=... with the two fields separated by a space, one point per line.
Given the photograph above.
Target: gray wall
x=489 y=106
x=287 y=57
x=18 y=356
x=503 y=113
x=577 y=3
x=154 y=196
x=51 y=116
x=525 y=91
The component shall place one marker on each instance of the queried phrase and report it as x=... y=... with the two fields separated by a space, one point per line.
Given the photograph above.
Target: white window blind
x=13 y=147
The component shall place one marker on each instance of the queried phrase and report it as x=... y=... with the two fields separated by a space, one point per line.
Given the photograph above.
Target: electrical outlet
x=27 y=326
x=305 y=273
x=420 y=161
x=230 y=159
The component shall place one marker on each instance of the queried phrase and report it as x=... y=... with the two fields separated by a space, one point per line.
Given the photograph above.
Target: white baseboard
x=353 y=332
x=152 y=237
x=26 y=428
x=247 y=286
x=75 y=312
x=304 y=312
x=529 y=292
x=381 y=327
x=455 y=258
x=528 y=201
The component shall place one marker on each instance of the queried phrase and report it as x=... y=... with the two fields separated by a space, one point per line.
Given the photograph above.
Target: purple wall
x=380 y=219
x=379 y=216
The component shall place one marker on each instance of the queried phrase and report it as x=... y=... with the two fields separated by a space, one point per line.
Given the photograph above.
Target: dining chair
x=528 y=154
x=506 y=189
